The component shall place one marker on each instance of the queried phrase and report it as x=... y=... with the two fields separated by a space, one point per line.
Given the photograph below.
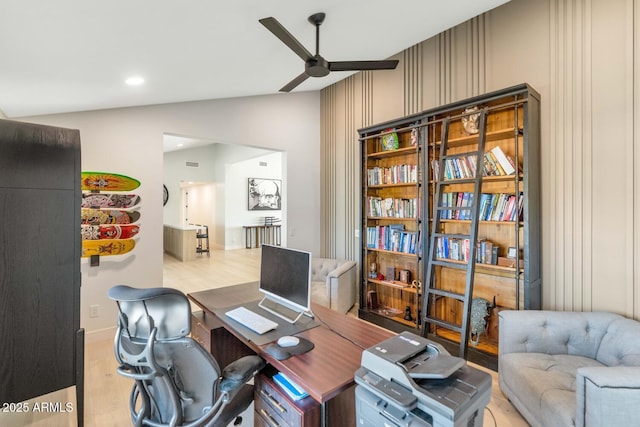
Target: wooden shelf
x=391 y=218
x=393 y=153
x=463 y=221
x=392 y=252
x=490 y=136
x=486 y=344
x=396 y=285
x=486 y=268
x=402 y=184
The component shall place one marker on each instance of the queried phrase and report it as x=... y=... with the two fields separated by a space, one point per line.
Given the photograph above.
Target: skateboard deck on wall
x=98 y=232
x=109 y=200
x=107 y=247
x=103 y=181
x=108 y=216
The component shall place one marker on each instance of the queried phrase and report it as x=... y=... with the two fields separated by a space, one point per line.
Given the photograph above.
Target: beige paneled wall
x=583 y=56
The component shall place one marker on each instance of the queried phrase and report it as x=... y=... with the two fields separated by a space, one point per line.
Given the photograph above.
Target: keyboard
x=257 y=323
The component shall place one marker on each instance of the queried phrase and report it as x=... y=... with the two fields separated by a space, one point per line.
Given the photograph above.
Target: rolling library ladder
x=445 y=177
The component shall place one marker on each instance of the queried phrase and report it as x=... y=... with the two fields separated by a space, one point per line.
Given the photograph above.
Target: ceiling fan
x=316 y=65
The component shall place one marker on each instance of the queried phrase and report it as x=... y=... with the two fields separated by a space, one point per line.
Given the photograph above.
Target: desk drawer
x=276 y=408
x=199 y=330
x=210 y=333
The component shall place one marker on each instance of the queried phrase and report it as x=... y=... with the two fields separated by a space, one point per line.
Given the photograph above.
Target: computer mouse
x=288 y=341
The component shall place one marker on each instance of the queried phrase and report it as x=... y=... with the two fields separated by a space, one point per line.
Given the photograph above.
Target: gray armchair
x=571 y=368
x=333 y=283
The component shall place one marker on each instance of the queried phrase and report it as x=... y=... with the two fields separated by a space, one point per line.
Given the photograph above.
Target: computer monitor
x=285 y=278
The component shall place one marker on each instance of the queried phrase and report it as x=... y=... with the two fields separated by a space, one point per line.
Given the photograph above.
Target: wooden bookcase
x=513 y=124
x=392 y=227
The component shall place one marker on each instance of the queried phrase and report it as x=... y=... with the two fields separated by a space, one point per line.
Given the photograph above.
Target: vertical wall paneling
x=569 y=213
x=583 y=56
x=327 y=138
x=352 y=183
x=631 y=31
x=413 y=80
x=636 y=158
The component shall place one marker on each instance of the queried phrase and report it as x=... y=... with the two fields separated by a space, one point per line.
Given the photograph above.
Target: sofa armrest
x=553 y=332
x=607 y=395
x=341 y=285
x=342 y=269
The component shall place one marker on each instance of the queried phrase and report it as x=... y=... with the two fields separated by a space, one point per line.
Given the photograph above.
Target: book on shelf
x=389 y=207
x=505 y=162
x=452 y=248
x=495 y=163
x=396 y=174
x=393 y=238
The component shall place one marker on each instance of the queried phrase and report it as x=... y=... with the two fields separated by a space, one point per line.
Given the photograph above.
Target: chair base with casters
x=176 y=381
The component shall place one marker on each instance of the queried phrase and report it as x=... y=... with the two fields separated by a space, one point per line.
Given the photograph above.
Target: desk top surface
x=339 y=341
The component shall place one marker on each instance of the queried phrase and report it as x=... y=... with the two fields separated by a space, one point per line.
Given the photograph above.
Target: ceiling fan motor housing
x=317 y=67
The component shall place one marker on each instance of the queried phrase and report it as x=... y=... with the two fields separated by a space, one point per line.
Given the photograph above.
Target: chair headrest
x=169 y=308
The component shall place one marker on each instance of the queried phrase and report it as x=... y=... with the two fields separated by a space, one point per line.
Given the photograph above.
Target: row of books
x=495 y=163
x=458 y=249
x=456 y=199
x=397 y=174
x=493 y=206
x=392 y=238
x=393 y=208
x=500 y=207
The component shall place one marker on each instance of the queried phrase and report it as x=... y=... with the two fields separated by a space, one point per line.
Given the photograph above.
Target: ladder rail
x=431 y=291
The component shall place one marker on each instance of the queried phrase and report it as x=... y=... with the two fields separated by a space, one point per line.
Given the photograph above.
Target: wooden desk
x=326 y=372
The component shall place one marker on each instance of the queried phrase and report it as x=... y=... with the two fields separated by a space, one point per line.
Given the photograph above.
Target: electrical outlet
x=357 y=233
x=94 y=310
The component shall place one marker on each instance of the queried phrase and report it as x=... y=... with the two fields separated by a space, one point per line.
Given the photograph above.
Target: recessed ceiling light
x=180 y=145
x=134 y=81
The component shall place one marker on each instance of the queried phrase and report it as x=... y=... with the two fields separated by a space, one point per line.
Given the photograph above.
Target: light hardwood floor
x=107 y=393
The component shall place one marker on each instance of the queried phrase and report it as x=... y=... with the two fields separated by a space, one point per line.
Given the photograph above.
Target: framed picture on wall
x=265 y=194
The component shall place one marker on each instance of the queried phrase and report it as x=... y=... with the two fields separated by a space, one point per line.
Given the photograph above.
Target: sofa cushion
x=545 y=384
x=578 y=334
x=620 y=345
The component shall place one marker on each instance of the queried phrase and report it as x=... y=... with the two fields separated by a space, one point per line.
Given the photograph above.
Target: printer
x=408 y=380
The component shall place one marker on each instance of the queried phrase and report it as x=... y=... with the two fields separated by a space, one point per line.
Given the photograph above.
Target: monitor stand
x=281 y=315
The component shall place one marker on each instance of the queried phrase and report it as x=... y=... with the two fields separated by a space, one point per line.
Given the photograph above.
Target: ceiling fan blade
x=295 y=82
x=363 y=65
x=285 y=36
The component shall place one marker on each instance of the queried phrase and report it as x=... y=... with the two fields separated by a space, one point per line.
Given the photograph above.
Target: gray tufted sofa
x=570 y=368
x=333 y=283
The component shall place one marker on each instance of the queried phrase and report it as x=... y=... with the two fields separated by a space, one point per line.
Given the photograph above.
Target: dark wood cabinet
x=42 y=343
x=212 y=335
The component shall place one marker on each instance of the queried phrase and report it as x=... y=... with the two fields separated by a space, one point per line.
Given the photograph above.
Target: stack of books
x=293 y=390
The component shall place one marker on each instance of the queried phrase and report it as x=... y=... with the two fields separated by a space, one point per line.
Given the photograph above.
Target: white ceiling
x=74 y=55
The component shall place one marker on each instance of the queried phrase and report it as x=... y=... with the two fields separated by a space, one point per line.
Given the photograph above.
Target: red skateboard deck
x=108 y=216
x=103 y=181
x=98 y=232
x=109 y=200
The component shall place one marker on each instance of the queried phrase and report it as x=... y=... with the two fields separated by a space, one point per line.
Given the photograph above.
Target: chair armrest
x=607 y=395
x=237 y=373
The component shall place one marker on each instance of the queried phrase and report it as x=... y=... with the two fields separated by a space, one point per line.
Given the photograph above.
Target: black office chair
x=177 y=382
